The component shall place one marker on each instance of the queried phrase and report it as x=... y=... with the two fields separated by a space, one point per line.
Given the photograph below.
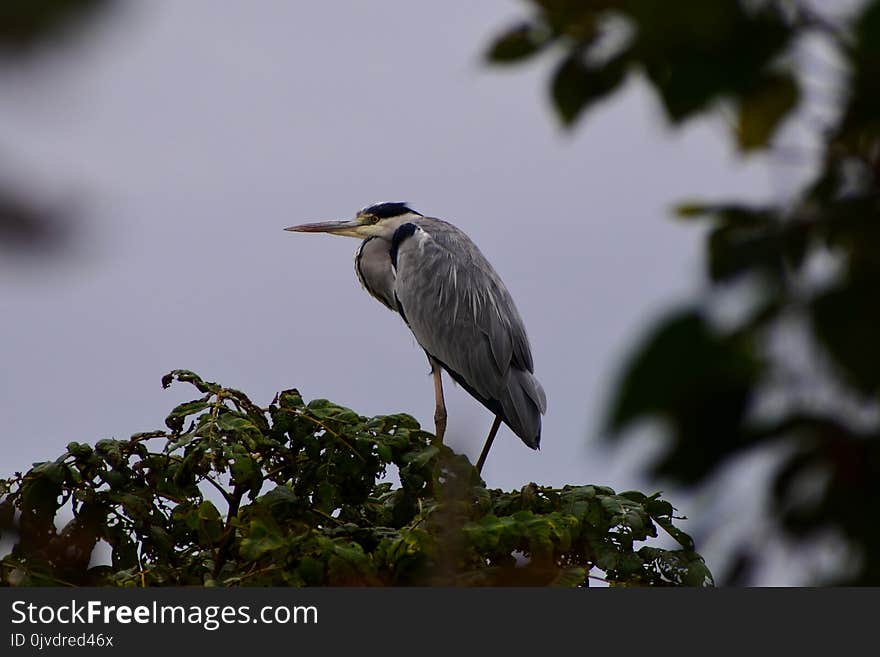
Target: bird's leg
x=488 y=445
x=440 y=408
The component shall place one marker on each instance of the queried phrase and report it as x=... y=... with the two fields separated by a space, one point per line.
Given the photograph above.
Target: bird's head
x=379 y=220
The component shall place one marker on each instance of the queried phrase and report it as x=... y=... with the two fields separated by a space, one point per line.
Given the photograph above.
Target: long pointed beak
x=333 y=227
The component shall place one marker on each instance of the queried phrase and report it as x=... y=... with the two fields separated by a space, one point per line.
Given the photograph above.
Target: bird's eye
x=373 y=219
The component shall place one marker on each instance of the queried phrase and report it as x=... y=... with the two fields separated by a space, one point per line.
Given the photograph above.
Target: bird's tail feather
x=523 y=406
x=520 y=408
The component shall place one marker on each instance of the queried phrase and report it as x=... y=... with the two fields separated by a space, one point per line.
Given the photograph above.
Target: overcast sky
x=190 y=133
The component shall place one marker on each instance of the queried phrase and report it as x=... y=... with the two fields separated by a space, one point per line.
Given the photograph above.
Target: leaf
x=680 y=356
x=679 y=568
x=281 y=500
x=24 y=25
x=79 y=450
x=576 y=576
x=696 y=53
x=111 y=450
x=290 y=399
x=763 y=108
x=751 y=240
x=246 y=473
x=692 y=209
x=262 y=537
x=517 y=44
x=53 y=471
x=697 y=380
x=680 y=537
x=421 y=458
x=7 y=514
x=659 y=508
x=311 y=570
x=209 y=523
x=124 y=554
x=237 y=425
x=135 y=506
x=178 y=415
x=860 y=123
x=385 y=453
x=190 y=377
x=582 y=503
x=577 y=85
x=735 y=250
x=846 y=320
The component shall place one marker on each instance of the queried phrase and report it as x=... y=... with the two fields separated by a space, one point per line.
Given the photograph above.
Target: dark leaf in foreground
x=697 y=380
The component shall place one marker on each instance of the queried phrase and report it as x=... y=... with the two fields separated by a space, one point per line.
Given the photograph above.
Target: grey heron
x=432 y=275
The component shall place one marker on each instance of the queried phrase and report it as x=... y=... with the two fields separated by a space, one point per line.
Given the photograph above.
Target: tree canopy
x=305 y=494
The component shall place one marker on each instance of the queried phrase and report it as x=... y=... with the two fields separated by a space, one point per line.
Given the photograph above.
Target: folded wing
x=463 y=316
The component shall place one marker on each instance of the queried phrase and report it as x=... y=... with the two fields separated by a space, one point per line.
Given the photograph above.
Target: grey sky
x=192 y=132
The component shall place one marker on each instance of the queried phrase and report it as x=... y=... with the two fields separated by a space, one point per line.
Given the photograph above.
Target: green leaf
x=111 y=450
x=692 y=209
x=263 y=537
x=39 y=496
x=236 y=424
x=860 y=124
x=210 y=524
x=186 y=376
x=518 y=44
x=7 y=514
x=421 y=458
x=763 y=108
x=136 y=506
x=246 y=473
x=577 y=85
x=697 y=380
x=679 y=568
x=576 y=576
x=385 y=453
x=53 y=471
x=680 y=537
x=697 y=52
x=846 y=320
x=178 y=415
x=311 y=570
x=79 y=450
x=24 y=25
x=290 y=399
x=735 y=250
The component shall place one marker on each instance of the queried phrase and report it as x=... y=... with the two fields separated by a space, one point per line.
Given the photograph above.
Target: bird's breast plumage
x=372 y=264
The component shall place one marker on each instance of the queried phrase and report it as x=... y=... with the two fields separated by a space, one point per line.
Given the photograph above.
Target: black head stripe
x=403 y=232
x=388 y=210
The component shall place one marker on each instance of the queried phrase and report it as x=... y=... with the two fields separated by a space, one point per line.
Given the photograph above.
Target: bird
x=430 y=273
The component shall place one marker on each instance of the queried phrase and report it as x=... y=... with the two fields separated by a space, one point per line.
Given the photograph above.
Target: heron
x=460 y=312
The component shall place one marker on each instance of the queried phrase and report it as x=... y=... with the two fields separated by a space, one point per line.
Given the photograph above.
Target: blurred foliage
x=704 y=379
x=295 y=494
x=27 y=28
x=28 y=24
x=28 y=224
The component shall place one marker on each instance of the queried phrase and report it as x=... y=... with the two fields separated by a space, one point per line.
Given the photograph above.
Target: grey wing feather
x=462 y=314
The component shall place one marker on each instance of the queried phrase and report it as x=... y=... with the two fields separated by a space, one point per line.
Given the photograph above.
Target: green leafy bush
x=301 y=494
